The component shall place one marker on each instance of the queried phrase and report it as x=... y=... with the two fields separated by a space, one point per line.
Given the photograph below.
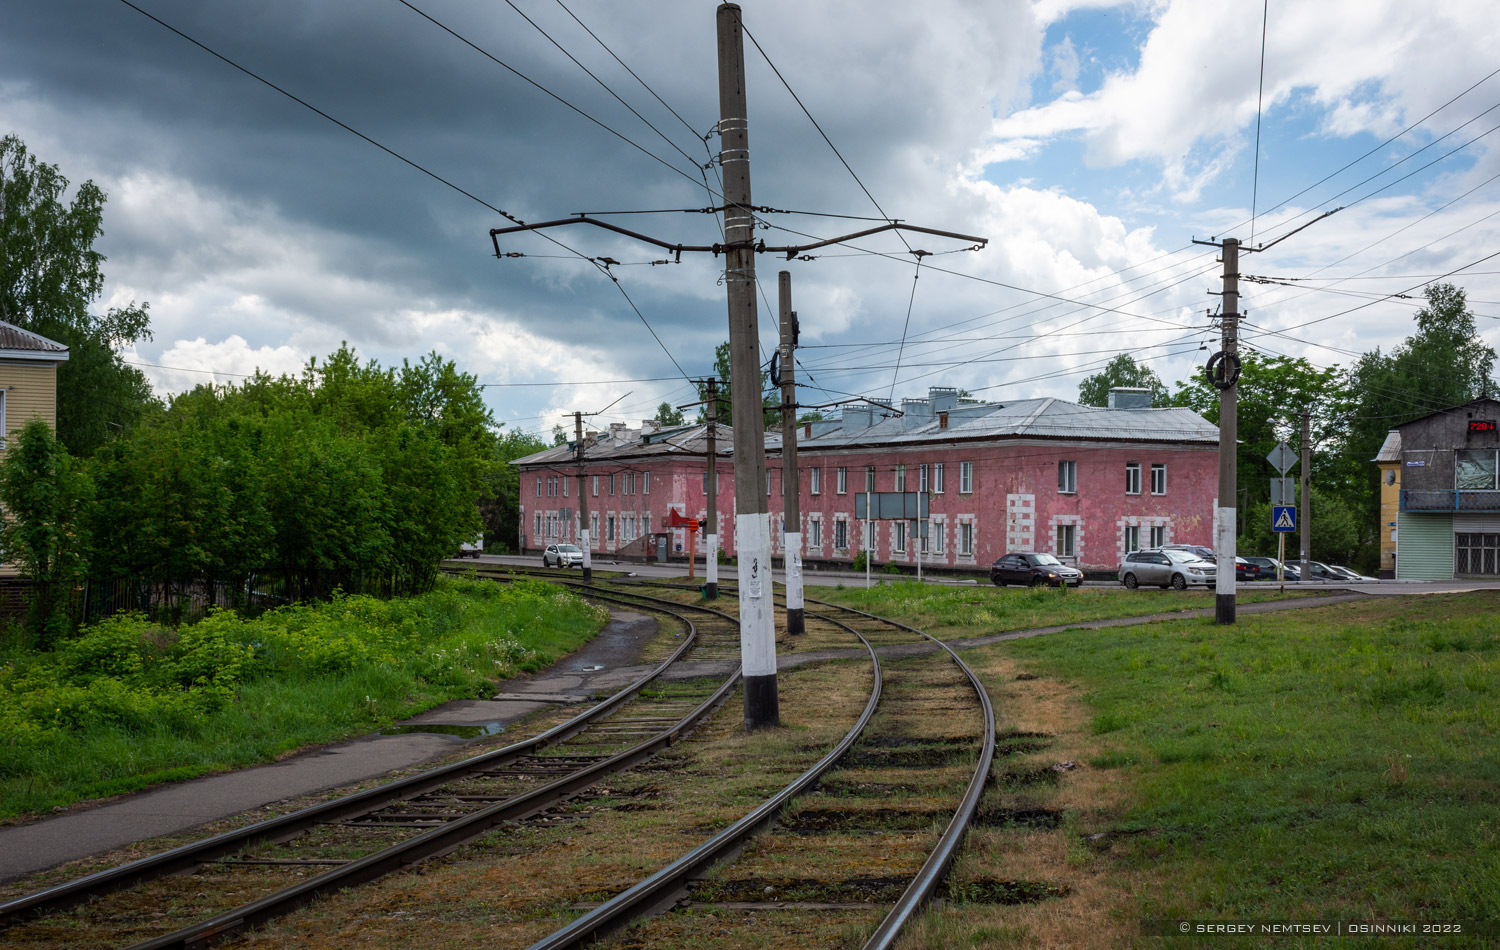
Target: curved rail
x=661 y=889
x=435 y=841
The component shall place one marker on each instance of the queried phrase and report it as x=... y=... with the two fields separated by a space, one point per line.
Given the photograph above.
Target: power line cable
x=1265 y=12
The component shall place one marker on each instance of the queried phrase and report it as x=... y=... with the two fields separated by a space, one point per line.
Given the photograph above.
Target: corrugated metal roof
x=13 y=337
x=1046 y=418
x=1390 y=449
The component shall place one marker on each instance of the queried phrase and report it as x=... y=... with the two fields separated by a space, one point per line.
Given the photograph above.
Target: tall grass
x=128 y=703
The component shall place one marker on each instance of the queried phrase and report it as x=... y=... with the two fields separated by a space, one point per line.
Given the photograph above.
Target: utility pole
x=1306 y=512
x=711 y=530
x=583 y=501
x=1228 y=358
x=752 y=519
x=791 y=480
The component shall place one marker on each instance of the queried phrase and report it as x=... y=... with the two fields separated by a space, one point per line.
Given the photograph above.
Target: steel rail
x=659 y=891
x=186 y=857
x=933 y=870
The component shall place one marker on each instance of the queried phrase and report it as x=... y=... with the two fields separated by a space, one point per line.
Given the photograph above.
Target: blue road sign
x=1283 y=517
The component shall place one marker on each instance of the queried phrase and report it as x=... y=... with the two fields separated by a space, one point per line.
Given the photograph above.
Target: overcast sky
x=1090 y=141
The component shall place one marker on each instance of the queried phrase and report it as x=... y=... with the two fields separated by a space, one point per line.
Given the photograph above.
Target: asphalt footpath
x=604 y=665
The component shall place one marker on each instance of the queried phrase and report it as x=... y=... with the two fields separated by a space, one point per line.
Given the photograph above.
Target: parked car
x=1268 y=569
x=562 y=555
x=1349 y=575
x=1166 y=567
x=1033 y=570
x=1200 y=550
x=1318 y=571
x=1247 y=570
x=472 y=548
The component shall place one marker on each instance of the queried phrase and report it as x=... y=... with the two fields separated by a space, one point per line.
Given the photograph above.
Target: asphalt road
x=850 y=578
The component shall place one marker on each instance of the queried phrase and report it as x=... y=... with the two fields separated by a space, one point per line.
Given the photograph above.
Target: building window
x=869 y=478
x=564 y=479
x=1132 y=538
x=1158 y=479
x=815 y=533
x=1475 y=470
x=842 y=480
x=900 y=478
x=769 y=490
x=841 y=535
x=898 y=536
x=611 y=484
x=538 y=532
x=1132 y=480
x=596 y=486
x=966 y=538
x=539 y=486
x=1476 y=553
x=1067 y=477
x=965 y=477
x=1158 y=535
x=705 y=484
x=1066 y=533
x=922 y=483
x=815 y=481
x=937 y=531
x=594 y=528
x=937 y=478
x=923 y=535
x=645 y=483
x=610 y=528
x=870 y=537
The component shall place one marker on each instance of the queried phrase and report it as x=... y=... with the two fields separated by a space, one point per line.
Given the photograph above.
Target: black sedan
x=1033 y=570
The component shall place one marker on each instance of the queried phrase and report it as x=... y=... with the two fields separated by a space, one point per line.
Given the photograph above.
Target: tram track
x=366 y=835
x=560 y=763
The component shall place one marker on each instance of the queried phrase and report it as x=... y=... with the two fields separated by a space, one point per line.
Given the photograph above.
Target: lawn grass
x=129 y=704
x=1333 y=764
x=948 y=612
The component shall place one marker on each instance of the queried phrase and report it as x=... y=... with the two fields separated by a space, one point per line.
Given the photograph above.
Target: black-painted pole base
x=1223 y=608
x=711 y=590
x=761 y=709
x=794 y=620
x=588 y=575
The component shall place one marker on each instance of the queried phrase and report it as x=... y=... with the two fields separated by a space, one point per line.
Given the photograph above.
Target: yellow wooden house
x=28 y=385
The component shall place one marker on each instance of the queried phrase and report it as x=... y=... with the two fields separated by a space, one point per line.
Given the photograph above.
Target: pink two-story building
x=1084 y=483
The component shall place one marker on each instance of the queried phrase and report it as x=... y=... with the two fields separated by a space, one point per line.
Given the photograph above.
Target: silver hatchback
x=1169 y=568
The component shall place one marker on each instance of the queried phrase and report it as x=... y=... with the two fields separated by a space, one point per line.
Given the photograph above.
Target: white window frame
x=937 y=529
x=898 y=537
x=611 y=485
x=596 y=486
x=564 y=479
x=610 y=528
x=1158 y=468
x=842 y=480
x=922 y=477
x=645 y=483
x=594 y=528
x=966 y=538
x=815 y=481
x=900 y=478
x=815 y=532
x=1133 y=480
x=1132 y=538
x=965 y=478
x=539 y=486
x=1066 y=541
x=937 y=478
x=841 y=534
x=869 y=478
x=538 y=532
x=872 y=538
x=1158 y=535
x=1067 y=477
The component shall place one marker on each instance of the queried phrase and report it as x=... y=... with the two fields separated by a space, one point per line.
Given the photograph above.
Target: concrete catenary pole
x=752 y=520
x=1306 y=513
x=583 y=501
x=711 y=488
x=791 y=479
x=1224 y=602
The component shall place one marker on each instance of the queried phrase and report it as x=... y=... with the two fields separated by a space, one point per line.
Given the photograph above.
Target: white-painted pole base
x=752 y=534
x=794 y=621
x=711 y=566
x=1224 y=582
x=588 y=559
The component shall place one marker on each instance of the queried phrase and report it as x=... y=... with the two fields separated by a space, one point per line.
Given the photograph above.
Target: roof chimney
x=1129 y=397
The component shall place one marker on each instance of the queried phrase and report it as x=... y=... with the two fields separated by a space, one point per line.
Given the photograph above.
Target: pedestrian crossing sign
x=1283 y=518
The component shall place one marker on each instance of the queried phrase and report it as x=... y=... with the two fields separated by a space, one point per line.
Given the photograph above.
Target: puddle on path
x=445 y=729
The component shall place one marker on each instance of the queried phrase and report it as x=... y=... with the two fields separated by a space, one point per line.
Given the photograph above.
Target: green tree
x=46 y=495
x=1123 y=370
x=500 y=507
x=770 y=398
x=50 y=274
x=668 y=415
x=1273 y=392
